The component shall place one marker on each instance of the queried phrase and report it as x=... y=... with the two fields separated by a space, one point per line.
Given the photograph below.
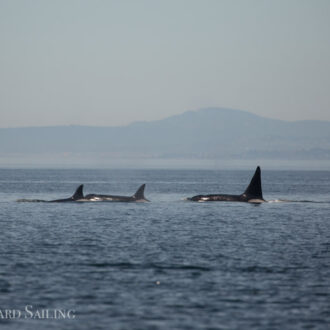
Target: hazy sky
x=114 y=62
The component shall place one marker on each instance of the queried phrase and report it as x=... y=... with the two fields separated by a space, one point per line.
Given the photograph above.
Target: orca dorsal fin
x=139 y=195
x=78 y=194
x=254 y=188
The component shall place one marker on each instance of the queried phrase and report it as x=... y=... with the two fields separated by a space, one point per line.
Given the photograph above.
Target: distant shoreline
x=212 y=138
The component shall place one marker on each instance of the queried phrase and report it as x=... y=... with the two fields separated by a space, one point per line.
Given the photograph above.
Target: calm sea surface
x=168 y=264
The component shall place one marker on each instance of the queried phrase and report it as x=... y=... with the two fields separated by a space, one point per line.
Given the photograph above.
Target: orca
x=78 y=195
x=252 y=194
x=137 y=197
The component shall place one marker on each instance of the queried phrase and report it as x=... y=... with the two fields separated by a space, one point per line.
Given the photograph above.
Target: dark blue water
x=168 y=264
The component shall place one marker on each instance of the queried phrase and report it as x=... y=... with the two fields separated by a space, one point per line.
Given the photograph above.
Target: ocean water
x=167 y=264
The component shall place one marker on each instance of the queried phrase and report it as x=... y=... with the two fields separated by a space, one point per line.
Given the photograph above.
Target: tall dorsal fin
x=140 y=193
x=78 y=194
x=254 y=188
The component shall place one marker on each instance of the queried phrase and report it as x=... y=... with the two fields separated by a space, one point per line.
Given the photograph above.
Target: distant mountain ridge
x=210 y=133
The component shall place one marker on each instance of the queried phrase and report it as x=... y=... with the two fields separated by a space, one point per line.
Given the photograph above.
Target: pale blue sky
x=115 y=62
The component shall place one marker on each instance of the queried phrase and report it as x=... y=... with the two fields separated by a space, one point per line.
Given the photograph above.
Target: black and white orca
x=137 y=197
x=252 y=194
